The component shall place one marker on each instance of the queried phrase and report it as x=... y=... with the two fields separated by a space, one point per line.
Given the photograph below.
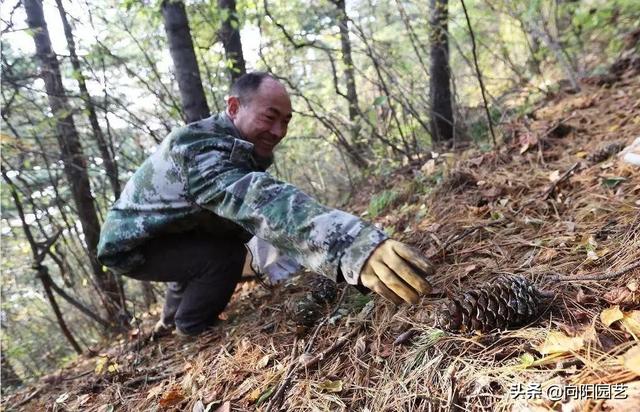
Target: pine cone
x=323 y=289
x=605 y=152
x=305 y=312
x=508 y=302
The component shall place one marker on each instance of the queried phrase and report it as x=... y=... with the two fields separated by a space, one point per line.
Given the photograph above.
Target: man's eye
x=270 y=118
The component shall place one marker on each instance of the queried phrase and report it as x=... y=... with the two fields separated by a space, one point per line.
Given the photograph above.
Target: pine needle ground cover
x=540 y=208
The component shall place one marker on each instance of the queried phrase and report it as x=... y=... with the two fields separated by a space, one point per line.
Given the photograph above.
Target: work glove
x=397 y=272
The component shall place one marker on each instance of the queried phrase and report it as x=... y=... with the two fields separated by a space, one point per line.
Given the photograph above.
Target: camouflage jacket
x=204 y=176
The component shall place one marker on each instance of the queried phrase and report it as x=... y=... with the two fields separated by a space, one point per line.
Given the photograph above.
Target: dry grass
x=585 y=226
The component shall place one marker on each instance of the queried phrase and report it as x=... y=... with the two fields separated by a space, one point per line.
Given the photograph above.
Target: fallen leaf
x=554 y=176
x=429 y=167
x=225 y=407
x=155 y=391
x=62 y=398
x=592 y=255
x=631 y=322
x=631 y=359
x=100 y=364
x=198 y=406
x=263 y=362
x=385 y=351
x=304 y=358
x=581 y=297
x=243 y=388
x=433 y=227
x=360 y=346
x=622 y=296
x=558 y=342
x=331 y=386
x=82 y=399
x=254 y=395
x=172 y=397
x=582 y=154
x=633 y=285
x=526 y=360
x=527 y=140
x=547 y=254
x=610 y=315
x=470 y=269
x=612 y=182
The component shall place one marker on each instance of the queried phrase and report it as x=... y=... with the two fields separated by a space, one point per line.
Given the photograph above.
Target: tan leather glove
x=396 y=271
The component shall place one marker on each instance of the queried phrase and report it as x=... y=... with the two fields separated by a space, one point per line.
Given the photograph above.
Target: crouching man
x=187 y=212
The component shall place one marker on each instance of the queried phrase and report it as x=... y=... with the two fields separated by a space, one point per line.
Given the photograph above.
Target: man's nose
x=278 y=130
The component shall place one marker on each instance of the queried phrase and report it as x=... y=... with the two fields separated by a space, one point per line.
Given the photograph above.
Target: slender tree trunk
x=440 y=80
x=109 y=163
x=75 y=167
x=347 y=60
x=45 y=278
x=38 y=257
x=176 y=24
x=352 y=94
x=230 y=36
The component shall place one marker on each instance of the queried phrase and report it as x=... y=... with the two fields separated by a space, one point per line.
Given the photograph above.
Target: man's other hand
x=397 y=272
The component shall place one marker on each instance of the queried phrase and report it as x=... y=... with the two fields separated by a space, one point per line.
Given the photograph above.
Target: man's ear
x=233 y=106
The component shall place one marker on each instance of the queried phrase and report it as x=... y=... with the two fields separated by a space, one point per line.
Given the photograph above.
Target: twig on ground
x=331 y=349
x=291 y=371
x=597 y=275
x=147 y=379
x=28 y=398
x=562 y=178
x=279 y=394
x=309 y=344
x=458 y=237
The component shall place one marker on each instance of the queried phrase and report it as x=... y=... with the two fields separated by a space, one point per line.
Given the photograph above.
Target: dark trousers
x=202 y=273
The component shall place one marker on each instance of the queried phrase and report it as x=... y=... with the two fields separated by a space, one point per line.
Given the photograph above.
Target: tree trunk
x=176 y=24
x=440 y=80
x=75 y=167
x=352 y=95
x=107 y=156
x=230 y=36
x=45 y=278
x=38 y=257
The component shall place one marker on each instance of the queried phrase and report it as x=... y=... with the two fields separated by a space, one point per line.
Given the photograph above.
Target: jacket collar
x=227 y=124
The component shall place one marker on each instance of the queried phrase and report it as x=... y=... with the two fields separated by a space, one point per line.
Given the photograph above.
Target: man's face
x=264 y=119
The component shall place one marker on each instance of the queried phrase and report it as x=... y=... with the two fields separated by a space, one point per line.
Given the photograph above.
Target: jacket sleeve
x=325 y=240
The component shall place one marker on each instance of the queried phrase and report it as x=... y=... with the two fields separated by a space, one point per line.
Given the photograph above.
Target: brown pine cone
x=323 y=289
x=507 y=302
x=605 y=152
x=305 y=312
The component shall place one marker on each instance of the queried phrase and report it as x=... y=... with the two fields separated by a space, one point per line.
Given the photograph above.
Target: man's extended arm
x=322 y=239
x=325 y=240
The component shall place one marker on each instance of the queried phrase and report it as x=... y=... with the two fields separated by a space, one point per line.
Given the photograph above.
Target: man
x=186 y=213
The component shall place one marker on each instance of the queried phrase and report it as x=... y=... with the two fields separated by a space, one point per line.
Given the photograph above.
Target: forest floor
x=542 y=206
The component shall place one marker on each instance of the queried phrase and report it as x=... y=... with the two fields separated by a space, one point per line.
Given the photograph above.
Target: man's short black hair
x=247 y=84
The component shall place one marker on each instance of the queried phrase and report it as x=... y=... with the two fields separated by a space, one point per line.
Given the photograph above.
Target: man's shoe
x=161 y=329
x=185 y=337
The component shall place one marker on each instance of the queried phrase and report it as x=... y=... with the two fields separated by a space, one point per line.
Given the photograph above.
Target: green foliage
x=381 y=201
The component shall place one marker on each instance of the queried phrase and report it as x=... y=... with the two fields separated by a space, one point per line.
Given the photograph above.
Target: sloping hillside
x=549 y=205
